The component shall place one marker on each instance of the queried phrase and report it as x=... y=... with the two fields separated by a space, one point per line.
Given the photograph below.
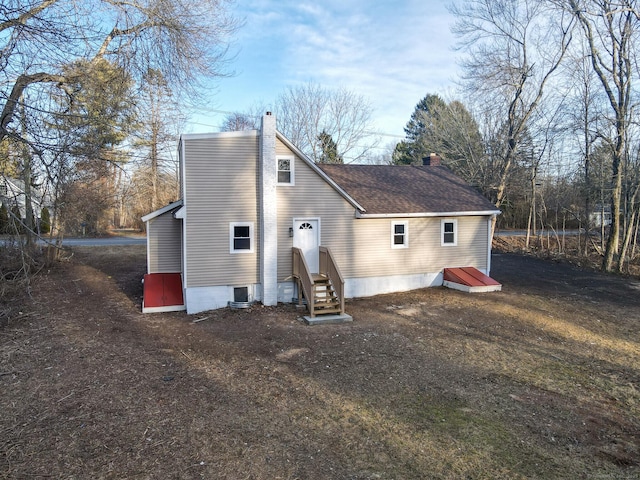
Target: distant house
x=12 y=194
x=259 y=221
x=600 y=216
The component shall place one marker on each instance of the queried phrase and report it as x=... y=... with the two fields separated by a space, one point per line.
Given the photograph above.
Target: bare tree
x=235 y=122
x=182 y=39
x=160 y=118
x=48 y=46
x=514 y=48
x=305 y=111
x=610 y=29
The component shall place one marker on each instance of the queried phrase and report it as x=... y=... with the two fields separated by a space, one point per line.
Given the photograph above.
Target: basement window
x=285 y=170
x=241 y=237
x=399 y=234
x=241 y=294
x=449 y=233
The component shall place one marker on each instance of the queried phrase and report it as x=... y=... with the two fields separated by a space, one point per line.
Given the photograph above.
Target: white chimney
x=268 y=211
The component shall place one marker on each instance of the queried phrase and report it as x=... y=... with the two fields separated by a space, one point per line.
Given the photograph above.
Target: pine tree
x=414 y=148
x=329 y=149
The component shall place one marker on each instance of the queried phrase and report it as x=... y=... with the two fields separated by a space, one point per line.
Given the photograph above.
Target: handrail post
x=333 y=272
x=305 y=281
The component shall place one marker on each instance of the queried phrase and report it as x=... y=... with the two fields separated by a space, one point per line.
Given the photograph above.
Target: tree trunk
x=613 y=242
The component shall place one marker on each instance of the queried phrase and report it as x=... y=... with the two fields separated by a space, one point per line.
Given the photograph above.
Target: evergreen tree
x=329 y=149
x=414 y=148
x=98 y=115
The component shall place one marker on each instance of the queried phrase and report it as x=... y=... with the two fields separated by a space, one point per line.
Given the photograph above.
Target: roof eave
x=160 y=211
x=480 y=213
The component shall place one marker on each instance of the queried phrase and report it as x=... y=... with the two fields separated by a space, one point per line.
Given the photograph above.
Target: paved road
x=100 y=242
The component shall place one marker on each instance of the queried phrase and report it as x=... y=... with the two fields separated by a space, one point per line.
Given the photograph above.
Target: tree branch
x=22 y=19
x=22 y=82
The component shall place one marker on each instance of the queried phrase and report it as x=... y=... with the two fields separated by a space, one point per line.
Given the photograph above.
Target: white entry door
x=306 y=237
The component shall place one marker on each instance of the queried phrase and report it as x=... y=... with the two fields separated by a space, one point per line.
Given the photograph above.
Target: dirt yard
x=540 y=380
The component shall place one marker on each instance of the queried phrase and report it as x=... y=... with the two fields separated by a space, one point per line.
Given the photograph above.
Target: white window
x=449 y=233
x=399 y=234
x=241 y=237
x=285 y=170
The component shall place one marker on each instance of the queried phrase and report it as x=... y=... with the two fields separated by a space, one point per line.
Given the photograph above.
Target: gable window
x=241 y=237
x=285 y=170
x=449 y=235
x=399 y=234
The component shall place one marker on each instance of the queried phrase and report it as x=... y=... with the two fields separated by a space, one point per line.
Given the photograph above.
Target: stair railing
x=329 y=267
x=303 y=277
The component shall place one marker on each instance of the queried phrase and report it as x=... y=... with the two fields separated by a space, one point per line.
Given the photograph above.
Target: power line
x=369 y=132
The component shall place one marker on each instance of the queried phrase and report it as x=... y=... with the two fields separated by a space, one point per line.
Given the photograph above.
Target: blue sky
x=391 y=52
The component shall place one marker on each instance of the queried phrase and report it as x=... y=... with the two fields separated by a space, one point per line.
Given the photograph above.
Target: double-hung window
x=285 y=170
x=241 y=237
x=449 y=232
x=400 y=234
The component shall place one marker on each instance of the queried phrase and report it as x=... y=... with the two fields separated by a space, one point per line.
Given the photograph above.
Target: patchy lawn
x=540 y=380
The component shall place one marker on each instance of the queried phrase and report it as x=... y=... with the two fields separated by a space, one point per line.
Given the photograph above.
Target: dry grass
x=538 y=381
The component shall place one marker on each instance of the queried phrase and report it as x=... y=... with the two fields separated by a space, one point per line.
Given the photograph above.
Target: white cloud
x=393 y=53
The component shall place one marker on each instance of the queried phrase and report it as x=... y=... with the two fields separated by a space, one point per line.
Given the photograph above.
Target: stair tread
x=328 y=310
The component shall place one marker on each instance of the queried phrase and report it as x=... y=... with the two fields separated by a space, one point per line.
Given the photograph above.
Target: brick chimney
x=433 y=160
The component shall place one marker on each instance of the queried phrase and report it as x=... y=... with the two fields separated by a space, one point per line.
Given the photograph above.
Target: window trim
x=405 y=235
x=232 y=237
x=291 y=171
x=454 y=222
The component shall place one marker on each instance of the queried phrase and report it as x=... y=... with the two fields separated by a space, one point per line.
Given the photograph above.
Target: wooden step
x=323 y=311
x=325 y=300
x=321 y=303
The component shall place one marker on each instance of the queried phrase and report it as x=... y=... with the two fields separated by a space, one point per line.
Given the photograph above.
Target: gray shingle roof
x=407 y=189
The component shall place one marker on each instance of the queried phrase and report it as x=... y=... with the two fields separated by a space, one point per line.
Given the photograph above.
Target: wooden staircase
x=323 y=291
x=325 y=300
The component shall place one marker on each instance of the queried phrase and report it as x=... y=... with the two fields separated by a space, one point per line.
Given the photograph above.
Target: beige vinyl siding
x=311 y=197
x=374 y=256
x=165 y=244
x=362 y=247
x=221 y=185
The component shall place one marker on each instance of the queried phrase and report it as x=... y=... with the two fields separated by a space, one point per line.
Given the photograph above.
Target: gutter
x=428 y=214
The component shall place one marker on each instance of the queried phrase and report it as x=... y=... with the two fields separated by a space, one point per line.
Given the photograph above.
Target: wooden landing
x=469 y=279
x=162 y=292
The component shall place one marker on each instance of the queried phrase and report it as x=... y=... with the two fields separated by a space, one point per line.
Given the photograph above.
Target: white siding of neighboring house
x=164 y=244
x=220 y=187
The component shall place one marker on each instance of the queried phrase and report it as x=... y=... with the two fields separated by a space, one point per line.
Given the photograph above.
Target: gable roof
x=315 y=167
x=161 y=211
x=408 y=190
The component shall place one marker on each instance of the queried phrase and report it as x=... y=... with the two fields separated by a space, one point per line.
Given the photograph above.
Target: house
x=600 y=216
x=259 y=221
x=12 y=195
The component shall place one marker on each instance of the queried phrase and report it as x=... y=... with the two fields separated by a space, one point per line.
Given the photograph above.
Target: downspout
x=183 y=217
x=490 y=223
